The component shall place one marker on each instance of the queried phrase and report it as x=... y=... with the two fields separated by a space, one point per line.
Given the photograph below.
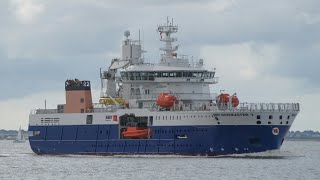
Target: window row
x=269 y=122
x=152 y=75
x=179 y=117
x=271 y=117
x=180 y=130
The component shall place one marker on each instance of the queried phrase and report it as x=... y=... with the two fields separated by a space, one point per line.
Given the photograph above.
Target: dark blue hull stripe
x=186 y=140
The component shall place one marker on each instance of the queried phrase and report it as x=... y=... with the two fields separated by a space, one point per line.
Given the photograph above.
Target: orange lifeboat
x=224 y=99
x=136 y=133
x=235 y=101
x=166 y=100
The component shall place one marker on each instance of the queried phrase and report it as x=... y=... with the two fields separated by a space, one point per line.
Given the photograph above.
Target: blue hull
x=183 y=140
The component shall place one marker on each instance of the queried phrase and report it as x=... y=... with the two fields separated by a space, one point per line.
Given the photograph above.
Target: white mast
x=165 y=35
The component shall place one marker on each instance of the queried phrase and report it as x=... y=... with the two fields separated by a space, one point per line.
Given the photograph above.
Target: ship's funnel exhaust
x=78 y=96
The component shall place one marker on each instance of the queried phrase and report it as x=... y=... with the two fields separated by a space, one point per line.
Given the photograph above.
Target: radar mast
x=165 y=36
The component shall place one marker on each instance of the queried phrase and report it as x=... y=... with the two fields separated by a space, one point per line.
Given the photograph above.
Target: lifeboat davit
x=224 y=99
x=166 y=100
x=136 y=133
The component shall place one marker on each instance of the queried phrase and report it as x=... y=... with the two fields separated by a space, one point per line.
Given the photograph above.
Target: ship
x=164 y=108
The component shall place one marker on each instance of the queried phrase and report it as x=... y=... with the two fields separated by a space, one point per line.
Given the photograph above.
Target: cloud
x=26 y=11
x=15 y=111
x=309 y=18
x=265 y=51
x=246 y=61
x=221 y=5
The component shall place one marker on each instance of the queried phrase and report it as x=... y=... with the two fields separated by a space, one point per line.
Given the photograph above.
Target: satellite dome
x=201 y=61
x=127 y=33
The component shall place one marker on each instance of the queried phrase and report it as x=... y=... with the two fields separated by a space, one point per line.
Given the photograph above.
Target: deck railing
x=97 y=107
x=261 y=107
x=243 y=107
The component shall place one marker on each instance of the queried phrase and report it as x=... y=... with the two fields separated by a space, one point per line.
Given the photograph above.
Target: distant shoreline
x=305 y=139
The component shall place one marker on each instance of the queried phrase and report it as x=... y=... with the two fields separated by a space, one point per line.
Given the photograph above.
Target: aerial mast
x=165 y=36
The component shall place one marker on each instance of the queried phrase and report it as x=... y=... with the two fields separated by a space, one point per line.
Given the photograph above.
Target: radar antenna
x=165 y=36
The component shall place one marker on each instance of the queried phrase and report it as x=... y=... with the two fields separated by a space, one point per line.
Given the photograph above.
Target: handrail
x=279 y=107
x=243 y=107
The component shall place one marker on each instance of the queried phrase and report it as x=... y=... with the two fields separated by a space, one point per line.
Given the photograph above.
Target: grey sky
x=274 y=46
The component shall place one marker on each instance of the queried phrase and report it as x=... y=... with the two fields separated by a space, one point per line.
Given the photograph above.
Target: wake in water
x=273 y=154
x=15 y=154
x=4 y=155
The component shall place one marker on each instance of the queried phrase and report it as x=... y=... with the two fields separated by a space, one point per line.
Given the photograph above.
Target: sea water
x=295 y=160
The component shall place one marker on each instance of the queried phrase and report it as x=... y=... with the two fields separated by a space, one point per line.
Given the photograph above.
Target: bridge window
x=172 y=74
x=144 y=76
x=164 y=74
x=131 y=76
x=151 y=75
x=137 y=75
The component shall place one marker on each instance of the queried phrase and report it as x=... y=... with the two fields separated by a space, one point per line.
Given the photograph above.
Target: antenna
x=139 y=37
x=101 y=83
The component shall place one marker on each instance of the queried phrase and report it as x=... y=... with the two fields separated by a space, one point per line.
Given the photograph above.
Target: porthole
x=269 y=122
x=216 y=118
x=287 y=122
x=258 y=122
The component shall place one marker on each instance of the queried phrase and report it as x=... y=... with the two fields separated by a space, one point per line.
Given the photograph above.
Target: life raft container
x=166 y=100
x=224 y=99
